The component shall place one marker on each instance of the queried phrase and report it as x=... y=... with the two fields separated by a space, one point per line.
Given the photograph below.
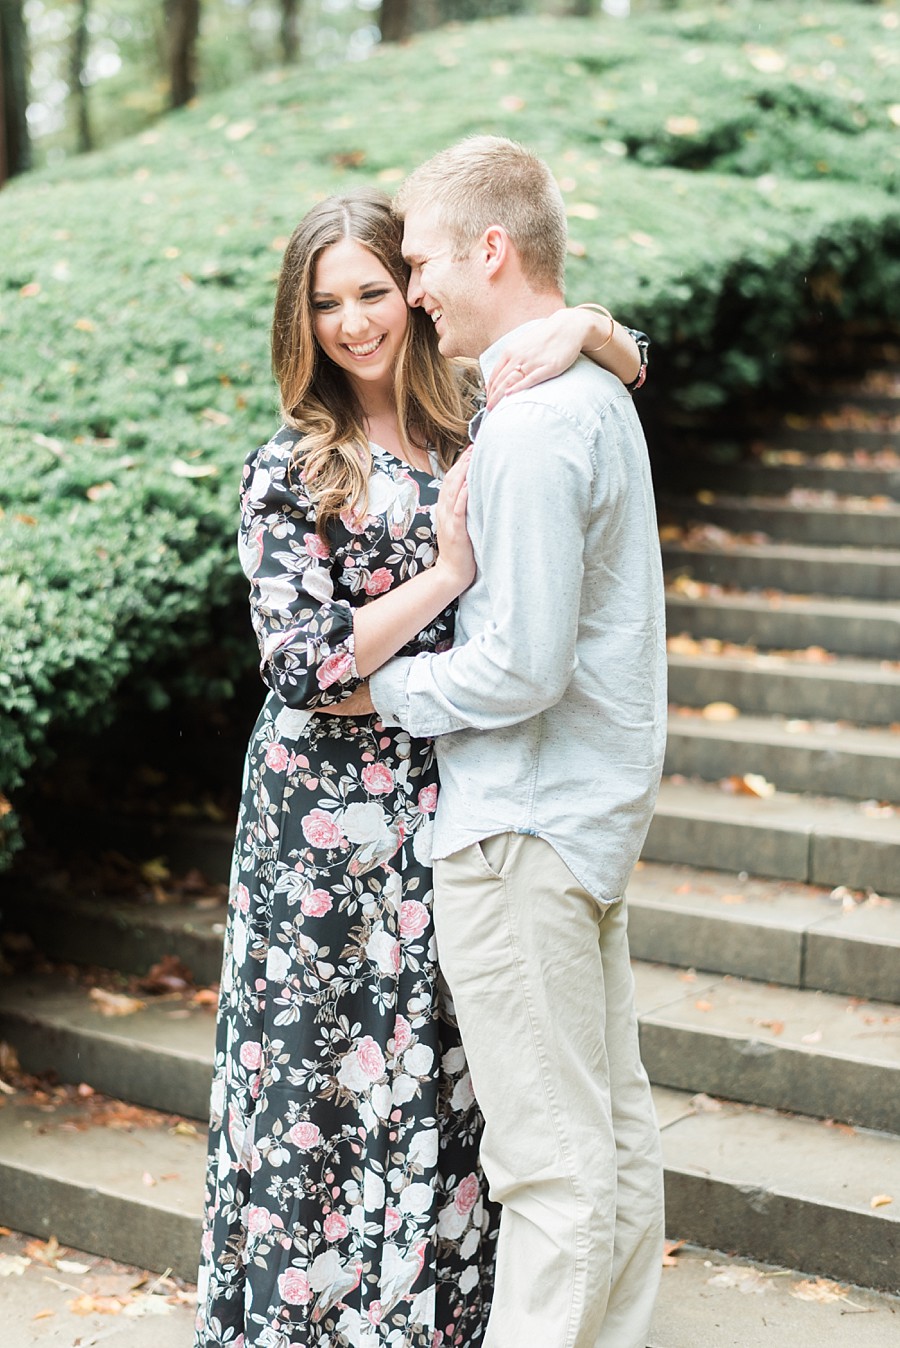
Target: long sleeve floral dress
x=345 y=1204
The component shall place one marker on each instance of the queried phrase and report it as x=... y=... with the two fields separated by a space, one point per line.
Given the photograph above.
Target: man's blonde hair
x=488 y=180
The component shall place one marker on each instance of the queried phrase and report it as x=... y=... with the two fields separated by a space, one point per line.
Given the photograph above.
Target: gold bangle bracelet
x=599 y=309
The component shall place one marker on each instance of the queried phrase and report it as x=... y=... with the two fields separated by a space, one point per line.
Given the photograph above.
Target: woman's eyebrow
x=366 y=285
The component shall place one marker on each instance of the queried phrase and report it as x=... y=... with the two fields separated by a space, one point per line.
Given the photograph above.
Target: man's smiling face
x=446 y=286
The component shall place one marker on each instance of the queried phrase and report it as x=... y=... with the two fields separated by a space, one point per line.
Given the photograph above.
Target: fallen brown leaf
x=115 y=1003
x=881 y=1201
x=43 y=1251
x=9 y=1059
x=705 y=1104
x=170 y=974
x=205 y=997
x=720 y=711
x=184 y=1129
x=819 y=1289
x=96 y=1305
x=155 y=870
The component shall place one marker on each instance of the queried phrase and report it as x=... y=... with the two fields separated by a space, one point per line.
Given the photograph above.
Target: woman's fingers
x=457 y=474
x=514 y=378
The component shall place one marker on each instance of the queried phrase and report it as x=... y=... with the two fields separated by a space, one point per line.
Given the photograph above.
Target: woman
x=345 y=1203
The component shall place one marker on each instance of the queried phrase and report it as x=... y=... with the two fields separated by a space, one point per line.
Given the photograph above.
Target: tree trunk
x=77 y=83
x=582 y=9
x=290 y=30
x=183 y=24
x=395 y=22
x=15 y=142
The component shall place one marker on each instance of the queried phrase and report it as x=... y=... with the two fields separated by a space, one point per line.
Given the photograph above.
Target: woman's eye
x=322 y=306
x=374 y=294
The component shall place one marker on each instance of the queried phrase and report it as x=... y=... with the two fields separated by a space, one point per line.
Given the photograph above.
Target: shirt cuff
x=387 y=689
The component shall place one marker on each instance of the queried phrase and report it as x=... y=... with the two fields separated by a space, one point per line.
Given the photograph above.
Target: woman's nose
x=354 y=319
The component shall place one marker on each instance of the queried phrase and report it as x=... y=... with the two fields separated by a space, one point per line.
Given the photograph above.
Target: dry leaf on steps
x=115 y=1003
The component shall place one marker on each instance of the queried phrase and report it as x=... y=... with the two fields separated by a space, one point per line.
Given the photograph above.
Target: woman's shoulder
x=271 y=475
x=277 y=451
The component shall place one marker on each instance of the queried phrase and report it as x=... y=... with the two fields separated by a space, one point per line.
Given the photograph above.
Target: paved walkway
x=59 y=1298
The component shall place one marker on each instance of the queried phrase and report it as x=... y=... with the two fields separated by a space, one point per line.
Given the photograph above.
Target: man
x=550 y=713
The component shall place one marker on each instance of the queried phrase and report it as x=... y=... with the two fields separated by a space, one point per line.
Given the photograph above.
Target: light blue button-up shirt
x=550 y=710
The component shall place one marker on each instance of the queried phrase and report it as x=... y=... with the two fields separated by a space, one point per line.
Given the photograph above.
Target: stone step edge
x=790 y=1223
x=816 y=840
x=41 y=1200
x=864 y=764
x=839 y=506
x=784 y=602
x=763 y=684
x=843 y=669
x=772 y=731
x=816 y=553
x=723 y=1036
x=127 y=1060
x=677 y=916
x=709 y=1299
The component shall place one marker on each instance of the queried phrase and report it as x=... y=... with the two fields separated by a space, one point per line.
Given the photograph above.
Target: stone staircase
x=765 y=922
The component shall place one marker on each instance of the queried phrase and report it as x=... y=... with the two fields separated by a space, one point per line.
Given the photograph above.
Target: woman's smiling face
x=360 y=316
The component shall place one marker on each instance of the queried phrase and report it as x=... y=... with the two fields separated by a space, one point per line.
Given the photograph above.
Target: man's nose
x=414 y=292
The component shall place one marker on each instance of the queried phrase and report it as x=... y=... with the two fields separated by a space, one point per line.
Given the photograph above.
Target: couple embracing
x=430 y=1126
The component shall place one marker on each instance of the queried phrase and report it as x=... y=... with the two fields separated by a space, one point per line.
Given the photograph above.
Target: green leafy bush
x=136 y=290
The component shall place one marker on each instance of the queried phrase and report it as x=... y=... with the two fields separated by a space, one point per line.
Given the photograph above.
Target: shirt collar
x=488 y=360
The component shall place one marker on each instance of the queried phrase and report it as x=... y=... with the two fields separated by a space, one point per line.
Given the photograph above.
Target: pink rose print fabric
x=345 y=1206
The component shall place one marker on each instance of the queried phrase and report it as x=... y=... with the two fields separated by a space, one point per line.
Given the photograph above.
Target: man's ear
x=495 y=249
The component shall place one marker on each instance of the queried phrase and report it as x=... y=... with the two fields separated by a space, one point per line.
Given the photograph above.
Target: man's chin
x=450 y=348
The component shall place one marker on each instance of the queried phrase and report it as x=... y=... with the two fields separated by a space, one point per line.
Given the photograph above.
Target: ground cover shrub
x=136 y=289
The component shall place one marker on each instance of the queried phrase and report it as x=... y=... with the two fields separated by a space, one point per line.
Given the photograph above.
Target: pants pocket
x=494 y=852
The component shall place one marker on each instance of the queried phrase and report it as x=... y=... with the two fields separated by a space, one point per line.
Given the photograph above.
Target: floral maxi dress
x=345 y=1204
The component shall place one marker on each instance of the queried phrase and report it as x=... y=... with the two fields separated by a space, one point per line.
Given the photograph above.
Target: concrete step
x=880 y=432
x=117 y=934
x=838 y=689
x=801 y=936
x=841 y=429
x=782 y=471
x=767 y=1185
x=862 y=763
x=769 y=929
x=711 y=1300
x=777 y=1187
x=160 y=1056
x=705 y=1298
x=862 y=573
x=781 y=621
x=801 y=516
x=133 y=1192
x=745 y=1040
x=808 y=1052
x=59 y=1297
x=818 y=840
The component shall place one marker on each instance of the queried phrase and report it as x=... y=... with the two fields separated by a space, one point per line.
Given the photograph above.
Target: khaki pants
x=541 y=980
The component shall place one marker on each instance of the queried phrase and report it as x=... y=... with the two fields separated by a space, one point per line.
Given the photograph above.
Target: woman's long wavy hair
x=433 y=399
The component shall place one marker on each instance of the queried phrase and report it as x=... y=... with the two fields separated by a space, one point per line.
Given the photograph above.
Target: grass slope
x=728 y=172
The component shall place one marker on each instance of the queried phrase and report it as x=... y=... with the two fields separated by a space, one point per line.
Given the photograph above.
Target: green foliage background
x=730 y=172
